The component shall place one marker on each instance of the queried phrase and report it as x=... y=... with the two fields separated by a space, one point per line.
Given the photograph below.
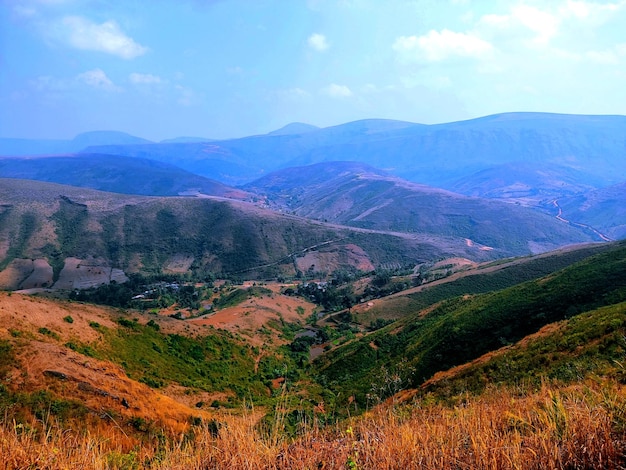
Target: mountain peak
x=294 y=128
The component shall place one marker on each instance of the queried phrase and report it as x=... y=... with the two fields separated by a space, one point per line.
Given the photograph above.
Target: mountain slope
x=116 y=174
x=604 y=209
x=464 y=328
x=354 y=194
x=527 y=183
x=46 y=229
x=17 y=147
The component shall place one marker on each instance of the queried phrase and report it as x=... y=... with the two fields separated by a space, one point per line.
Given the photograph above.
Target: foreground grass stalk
x=580 y=427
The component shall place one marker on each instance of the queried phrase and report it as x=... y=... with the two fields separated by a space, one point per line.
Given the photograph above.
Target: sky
x=220 y=69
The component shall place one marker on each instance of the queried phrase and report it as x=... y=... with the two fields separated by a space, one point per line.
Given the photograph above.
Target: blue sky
x=228 y=68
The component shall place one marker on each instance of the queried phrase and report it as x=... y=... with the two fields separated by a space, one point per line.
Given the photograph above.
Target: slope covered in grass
x=461 y=329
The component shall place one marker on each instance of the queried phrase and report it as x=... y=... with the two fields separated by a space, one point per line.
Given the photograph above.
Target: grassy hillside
x=461 y=329
x=116 y=389
x=147 y=235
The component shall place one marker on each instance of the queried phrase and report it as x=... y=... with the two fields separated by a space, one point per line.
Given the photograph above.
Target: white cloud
x=318 y=42
x=337 y=91
x=107 y=37
x=98 y=79
x=145 y=79
x=436 y=46
x=544 y=24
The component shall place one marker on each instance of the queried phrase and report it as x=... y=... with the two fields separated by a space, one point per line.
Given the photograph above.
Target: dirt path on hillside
x=560 y=217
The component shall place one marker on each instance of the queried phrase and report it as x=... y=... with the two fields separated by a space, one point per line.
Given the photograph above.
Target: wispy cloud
x=318 y=42
x=337 y=91
x=107 y=37
x=145 y=79
x=439 y=45
x=96 y=78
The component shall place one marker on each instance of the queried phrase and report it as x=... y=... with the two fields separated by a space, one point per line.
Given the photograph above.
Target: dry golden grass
x=579 y=427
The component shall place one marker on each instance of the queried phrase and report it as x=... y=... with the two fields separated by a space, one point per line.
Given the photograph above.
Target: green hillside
x=461 y=329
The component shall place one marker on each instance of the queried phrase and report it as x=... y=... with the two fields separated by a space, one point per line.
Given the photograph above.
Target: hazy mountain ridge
x=603 y=209
x=430 y=154
x=353 y=194
x=21 y=147
x=528 y=183
x=115 y=173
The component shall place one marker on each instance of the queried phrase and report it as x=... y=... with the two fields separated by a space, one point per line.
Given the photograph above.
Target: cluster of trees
x=143 y=293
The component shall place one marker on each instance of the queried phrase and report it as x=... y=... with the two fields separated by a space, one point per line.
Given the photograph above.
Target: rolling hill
x=603 y=209
x=463 y=328
x=51 y=232
x=528 y=183
x=22 y=147
x=354 y=194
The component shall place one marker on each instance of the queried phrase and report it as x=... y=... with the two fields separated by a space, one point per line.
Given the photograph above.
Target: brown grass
x=579 y=427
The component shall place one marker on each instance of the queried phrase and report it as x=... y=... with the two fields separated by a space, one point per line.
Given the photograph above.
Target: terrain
x=430 y=154
x=117 y=174
x=545 y=376
x=354 y=194
x=50 y=233
x=378 y=294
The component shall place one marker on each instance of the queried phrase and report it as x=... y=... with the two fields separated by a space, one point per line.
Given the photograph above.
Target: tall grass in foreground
x=578 y=427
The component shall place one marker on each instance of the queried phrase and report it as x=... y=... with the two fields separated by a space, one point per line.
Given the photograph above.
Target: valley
x=303 y=296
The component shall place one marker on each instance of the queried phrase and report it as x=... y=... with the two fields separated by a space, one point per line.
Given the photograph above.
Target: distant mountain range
x=438 y=155
x=115 y=173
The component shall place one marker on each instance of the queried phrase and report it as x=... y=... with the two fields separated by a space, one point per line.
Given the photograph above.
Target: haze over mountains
x=503 y=185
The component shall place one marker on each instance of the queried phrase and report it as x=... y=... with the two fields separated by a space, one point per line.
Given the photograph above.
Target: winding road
x=560 y=217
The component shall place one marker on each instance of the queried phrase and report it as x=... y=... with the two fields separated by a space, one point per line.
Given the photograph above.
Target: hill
x=108 y=387
x=294 y=128
x=430 y=154
x=527 y=183
x=17 y=147
x=603 y=209
x=463 y=328
x=355 y=194
x=114 y=173
x=51 y=232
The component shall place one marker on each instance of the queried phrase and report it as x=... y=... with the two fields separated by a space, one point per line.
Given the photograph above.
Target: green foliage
x=461 y=329
x=47 y=332
x=217 y=362
x=6 y=357
x=27 y=227
x=593 y=342
x=68 y=319
x=239 y=295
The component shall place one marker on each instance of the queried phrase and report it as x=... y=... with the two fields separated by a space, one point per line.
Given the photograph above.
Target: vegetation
x=463 y=328
x=504 y=375
x=575 y=427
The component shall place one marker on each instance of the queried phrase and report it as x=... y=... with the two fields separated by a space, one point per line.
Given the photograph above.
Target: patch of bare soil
x=178 y=264
x=13 y=275
x=41 y=276
x=249 y=316
x=328 y=260
x=82 y=274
